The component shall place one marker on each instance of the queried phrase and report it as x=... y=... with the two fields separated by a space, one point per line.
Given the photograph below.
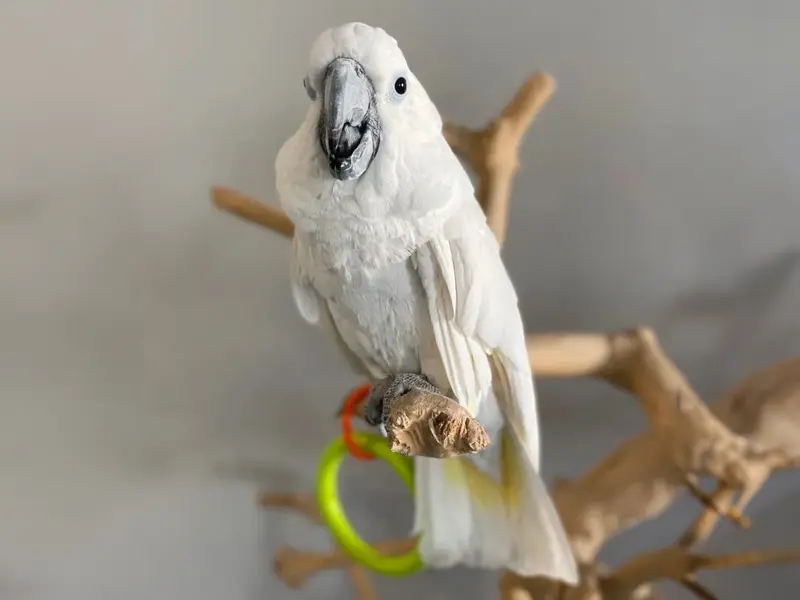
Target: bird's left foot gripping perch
x=420 y=420
x=387 y=390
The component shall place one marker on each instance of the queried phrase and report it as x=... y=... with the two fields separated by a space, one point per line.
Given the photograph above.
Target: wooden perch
x=764 y=408
x=295 y=567
x=432 y=425
x=680 y=566
x=423 y=424
x=740 y=440
x=250 y=209
x=642 y=477
x=631 y=581
x=493 y=152
x=294 y=574
x=686 y=439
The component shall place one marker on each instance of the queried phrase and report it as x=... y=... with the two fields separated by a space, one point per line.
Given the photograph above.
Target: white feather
x=305 y=296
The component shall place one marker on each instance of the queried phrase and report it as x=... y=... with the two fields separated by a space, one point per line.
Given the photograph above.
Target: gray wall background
x=154 y=371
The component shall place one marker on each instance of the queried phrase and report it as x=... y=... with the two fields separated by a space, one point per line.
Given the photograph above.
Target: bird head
x=363 y=98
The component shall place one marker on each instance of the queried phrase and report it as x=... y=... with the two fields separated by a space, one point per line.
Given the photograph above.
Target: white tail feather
x=490 y=510
x=465 y=517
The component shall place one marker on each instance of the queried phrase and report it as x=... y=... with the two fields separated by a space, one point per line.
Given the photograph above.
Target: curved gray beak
x=349 y=129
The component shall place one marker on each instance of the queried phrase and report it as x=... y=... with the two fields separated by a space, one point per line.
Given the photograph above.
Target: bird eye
x=400 y=86
x=310 y=91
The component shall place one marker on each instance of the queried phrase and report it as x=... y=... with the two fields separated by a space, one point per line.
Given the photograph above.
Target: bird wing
x=473 y=305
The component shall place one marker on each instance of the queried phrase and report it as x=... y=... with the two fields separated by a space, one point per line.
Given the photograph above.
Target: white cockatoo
x=393 y=255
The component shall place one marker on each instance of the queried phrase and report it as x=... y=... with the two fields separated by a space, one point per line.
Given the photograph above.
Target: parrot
x=393 y=257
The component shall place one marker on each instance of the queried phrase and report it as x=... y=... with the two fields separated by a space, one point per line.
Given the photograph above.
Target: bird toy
x=362 y=446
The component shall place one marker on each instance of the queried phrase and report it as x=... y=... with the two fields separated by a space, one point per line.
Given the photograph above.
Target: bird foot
x=389 y=389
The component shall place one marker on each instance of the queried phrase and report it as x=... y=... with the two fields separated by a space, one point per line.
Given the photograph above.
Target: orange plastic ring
x=356 y=397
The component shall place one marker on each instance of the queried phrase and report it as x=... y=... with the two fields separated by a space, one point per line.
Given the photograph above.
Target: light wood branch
x=424 y=424
x=294 y=567
x=680 y=566
x=685 y=440
x=633 y=579
x=305 y=504
x=249 y=209
x=493 y=152
x=764 y=407
x=295 y=572
x=634 y=483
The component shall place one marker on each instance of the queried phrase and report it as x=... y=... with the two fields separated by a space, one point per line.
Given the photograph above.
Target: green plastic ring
x=335 y=518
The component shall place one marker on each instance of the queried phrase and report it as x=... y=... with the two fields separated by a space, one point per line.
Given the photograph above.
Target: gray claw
x=384 y=392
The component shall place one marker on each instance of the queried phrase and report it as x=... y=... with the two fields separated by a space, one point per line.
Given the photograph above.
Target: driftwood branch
x=432 y=425
x=633 y=579
x=740 y=441
x=249 y=209
x=643 y=475
x=493 y=152
x=680 y=566
x=289 y=564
